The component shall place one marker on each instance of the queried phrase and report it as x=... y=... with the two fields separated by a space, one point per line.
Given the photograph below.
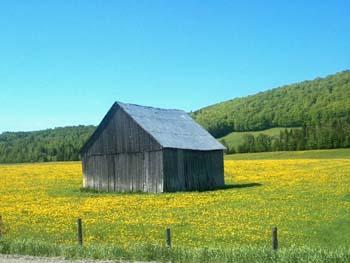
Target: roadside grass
x=177 y=254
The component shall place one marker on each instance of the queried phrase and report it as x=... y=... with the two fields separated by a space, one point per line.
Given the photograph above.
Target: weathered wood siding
x=123 y=158
x=121 y=134
x=186 y=170
x=124 y=172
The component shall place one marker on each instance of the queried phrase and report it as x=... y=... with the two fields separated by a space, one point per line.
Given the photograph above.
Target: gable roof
x=170 y=128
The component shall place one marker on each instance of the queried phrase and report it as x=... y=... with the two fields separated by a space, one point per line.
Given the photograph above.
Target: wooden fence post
x=168 y=237
x=274 y=239
x=80 y=232
x=1 y=227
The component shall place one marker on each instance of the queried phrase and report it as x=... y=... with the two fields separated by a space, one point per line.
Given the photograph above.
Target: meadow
x=308 y=199
x=291 y=155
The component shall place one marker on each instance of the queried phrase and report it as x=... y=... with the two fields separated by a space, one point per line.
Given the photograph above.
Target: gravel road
x=28 y=259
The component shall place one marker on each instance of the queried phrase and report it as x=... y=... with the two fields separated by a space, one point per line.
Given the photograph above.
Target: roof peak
x=171 y=128
x=120 y=103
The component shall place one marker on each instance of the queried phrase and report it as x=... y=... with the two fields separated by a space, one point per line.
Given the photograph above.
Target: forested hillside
x=312 y=102
x=316 y=113
x=60 y=144
x=329 y=134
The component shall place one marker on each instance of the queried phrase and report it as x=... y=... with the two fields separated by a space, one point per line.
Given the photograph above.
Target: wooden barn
x=137 y=148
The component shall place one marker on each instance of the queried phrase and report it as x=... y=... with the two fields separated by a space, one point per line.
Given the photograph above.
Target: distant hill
x=319 y=108
x=293 y=105
x=59 y=144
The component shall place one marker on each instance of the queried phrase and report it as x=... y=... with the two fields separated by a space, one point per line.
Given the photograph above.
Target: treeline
x=324 y=135
x=316 y=101
x=59 y=144
x=321 y=108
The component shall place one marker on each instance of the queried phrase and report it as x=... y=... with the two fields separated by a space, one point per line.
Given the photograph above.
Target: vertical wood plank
x=147 y=187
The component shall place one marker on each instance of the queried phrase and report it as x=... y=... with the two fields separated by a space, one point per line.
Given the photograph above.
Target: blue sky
x=65 y=62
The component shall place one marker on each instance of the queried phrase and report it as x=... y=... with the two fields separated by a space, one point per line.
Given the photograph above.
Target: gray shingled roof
x=172 y=128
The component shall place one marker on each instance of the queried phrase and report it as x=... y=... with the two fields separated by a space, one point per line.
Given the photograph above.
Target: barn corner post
x=83 y=171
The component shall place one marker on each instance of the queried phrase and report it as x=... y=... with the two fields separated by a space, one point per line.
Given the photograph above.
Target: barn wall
x=123 y=157
x=124 y=172
x=186 y=170
x=122 y=134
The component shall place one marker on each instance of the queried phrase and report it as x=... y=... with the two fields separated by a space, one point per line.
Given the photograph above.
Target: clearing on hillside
x=235 y=139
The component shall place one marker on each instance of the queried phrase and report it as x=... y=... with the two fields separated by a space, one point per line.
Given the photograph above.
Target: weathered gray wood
x=121 y=134
x=104 y=173
x=274 y=239
x=117 y=174
x=111 y=173
x=160 y=173
x=80 y=231
x=125 y=172
x=186 y=170
x=146 y=187
x=124 y=157
x=180 y=178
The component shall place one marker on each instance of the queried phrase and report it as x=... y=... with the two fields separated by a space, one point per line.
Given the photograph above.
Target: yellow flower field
x=308 y=200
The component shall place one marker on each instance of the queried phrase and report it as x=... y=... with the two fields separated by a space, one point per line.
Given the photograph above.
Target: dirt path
x=28 y=259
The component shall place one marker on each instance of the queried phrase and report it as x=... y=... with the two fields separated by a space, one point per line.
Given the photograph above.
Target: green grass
x=179 y=254
x=312 y=154
x=307 y=198
x=235 y=139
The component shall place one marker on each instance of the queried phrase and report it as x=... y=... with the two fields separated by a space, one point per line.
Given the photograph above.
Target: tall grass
x=309 y=154
x=177 y=254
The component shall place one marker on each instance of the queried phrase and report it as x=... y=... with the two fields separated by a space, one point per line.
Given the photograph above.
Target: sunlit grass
x=310 y=154
x=308 y=200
